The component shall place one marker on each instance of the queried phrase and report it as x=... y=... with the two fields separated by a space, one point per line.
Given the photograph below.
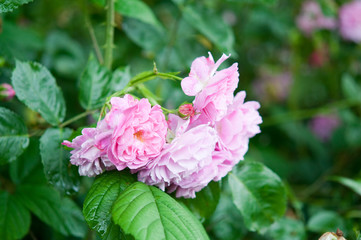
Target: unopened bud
x=333 y=236
x=6 y=92
x=186 y=110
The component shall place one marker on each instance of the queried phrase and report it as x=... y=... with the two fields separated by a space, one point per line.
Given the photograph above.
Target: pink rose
x=6 y=92
x=311 y=18
x=213 y=90
x=323 y=126
x=139 y=132
x=350 y=21
x=90 y=157
x=180 y=165
x=236 y=128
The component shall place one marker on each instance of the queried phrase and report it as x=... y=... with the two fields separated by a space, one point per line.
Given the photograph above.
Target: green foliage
x=60 y=213
x=287 y=228
x=10 y=5
x=205 y=202
x=350 y=88
x=36 y=87
x=325 y=221
x=355 y=185
x=99 y=202
x=55 y=159
x=154 y=215
x=259 y=195
x=212 y=26
x=14 y=217
x=95 y=85
x=13 y=136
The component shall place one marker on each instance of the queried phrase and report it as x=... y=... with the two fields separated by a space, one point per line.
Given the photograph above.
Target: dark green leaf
x=258 y=193
x=10 y=5
x=205 y=202
x=146 y=212
x=325 y=221
x=287 y=228
x=26 y=164
x=36 y=87
x=350 y=88
x=212 y=26
x=355 y=185
x=137 y=9
x=63 y=215
x=94 y=85
x=13 y=136
x=268 y=2
x=14 y=218
x=99 y=201
x=55 y=158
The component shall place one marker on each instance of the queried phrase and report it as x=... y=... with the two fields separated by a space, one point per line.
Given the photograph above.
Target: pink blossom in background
x=180 y=165
x=350 y=21
x=311 y=18
x=91 y=158
x=323 y=126
x=213 y=90
x=272 y=86
x=139 y=132
x=6 y=92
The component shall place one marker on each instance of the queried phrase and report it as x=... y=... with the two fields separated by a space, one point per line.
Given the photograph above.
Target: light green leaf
x=10 y=5
x=287 y=228
x=55 y=159
x=36 y=87
x=14 y=218
x=258 y=193
x=146 y=212
x=63 y=215
x=212 y=26
x=13 y=136
x=145 y=35
x=355 y=185
x=100 y=199
x=267 y=2
x=325 y=221
x=120 y=78
x=350 y=88
x=137 y=9
x=205 y=202
x=94 y=85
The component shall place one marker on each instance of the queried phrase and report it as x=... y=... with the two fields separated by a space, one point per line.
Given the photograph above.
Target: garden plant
x=180 y=119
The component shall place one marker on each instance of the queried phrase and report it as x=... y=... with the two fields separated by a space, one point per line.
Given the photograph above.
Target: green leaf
x=146 y=212
x=55 y=159
x=287 y=228
x=14 y=218
x=205 y=202
x=120 y=78
x=100 y=199
x=25 y=167
x=267 y=2
x=138 y=10
x=63 y=215
x=355 y=185
x=94 y=85
x=350 y=88
x=10 y=5
x=258 y=193
x=36 y=87
x=212 y=26
x=145 y=35
x=325 y=221
x=13 y=136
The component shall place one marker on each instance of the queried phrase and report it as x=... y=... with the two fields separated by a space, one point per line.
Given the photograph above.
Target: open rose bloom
x=183 y=154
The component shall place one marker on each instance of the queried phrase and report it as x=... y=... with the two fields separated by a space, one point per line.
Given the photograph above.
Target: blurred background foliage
x=308 y=86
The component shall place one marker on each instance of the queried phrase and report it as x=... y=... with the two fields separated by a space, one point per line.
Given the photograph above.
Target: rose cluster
x=184 y=153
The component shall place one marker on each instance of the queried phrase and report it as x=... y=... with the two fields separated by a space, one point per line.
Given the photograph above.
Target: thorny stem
x=109 y=34
x=94 y=40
